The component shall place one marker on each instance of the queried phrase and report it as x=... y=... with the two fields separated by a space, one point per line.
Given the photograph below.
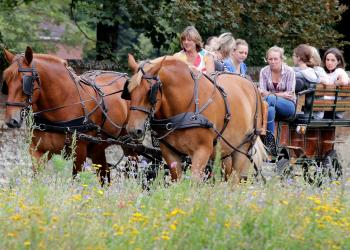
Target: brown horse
x=63 y=103
x=192 y=112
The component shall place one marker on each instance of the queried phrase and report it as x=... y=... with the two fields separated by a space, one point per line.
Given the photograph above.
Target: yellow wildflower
x=27 y=243
x=16 y=217
x=54 y=218
x=173 y=225
x=100 y=192
x=165 y=235
x=284 y=202
x=76 y=197
x=175 y=212
x=12 y=234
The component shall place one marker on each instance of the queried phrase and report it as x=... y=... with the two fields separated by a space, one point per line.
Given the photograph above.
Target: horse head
x=144 y=91
x=20 y=82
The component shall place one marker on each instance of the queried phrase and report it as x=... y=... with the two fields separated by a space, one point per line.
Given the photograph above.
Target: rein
x=81 y=124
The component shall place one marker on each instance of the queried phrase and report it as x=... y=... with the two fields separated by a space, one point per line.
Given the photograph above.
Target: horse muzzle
x=136 y=134
x=15 y=121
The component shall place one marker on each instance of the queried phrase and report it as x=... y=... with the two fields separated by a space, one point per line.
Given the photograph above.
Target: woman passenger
x=224 y=48
x=193 y=53
x=304 y=67
x=235 y=63
x=334 y=65
x=277 y=86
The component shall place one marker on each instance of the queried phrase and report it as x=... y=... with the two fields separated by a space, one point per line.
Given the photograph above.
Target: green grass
x=50 y=211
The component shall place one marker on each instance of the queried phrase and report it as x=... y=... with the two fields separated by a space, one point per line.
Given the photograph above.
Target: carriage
x=308 y=140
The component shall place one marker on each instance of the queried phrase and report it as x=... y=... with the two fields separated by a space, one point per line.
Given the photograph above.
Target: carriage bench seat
x=329 y=99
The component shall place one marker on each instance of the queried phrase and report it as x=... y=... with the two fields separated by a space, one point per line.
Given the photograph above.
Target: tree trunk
x=107 y=44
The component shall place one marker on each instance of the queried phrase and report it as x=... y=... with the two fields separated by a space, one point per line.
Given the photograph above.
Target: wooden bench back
x=340 y=104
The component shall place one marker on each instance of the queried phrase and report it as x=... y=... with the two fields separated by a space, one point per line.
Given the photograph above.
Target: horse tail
x=260 y=154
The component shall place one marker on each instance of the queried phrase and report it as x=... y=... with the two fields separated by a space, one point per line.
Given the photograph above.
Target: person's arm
x=290 y=83
x=310 y=75
x=209 y=64
x=263 y=84
x=343 y=78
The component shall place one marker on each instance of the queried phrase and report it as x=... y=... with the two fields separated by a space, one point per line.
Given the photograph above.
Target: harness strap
x=181 y=121
x=77 y=124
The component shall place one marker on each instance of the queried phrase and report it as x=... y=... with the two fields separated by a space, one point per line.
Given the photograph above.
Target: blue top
x=231 y=68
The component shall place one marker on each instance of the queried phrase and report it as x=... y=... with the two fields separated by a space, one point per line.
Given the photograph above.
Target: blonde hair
x=212 y=43
x=226 y=44
x=315 y=57
x=191 y=33
x=241 y=42
x=275 y=49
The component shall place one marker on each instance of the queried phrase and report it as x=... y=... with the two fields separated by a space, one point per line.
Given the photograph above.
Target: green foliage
x=287 y=24
x=22 y=24
x=262 y=23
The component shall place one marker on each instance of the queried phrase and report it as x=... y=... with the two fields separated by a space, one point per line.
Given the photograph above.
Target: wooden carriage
x=308 y=140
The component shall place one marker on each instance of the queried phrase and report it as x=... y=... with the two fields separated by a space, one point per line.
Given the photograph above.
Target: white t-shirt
x=334 y=76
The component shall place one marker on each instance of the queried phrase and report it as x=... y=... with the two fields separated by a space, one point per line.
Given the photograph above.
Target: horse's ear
x=132 y=63
x=8 y=56
x=157 y=67
x=28 y=55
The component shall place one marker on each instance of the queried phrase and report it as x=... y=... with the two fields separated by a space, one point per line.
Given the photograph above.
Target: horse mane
x=135 y=80
x=51 y=58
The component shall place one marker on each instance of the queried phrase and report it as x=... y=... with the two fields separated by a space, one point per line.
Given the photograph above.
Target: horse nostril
x=139 y=132
x=13 y=123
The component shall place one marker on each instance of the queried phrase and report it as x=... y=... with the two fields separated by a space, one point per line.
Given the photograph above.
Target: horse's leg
x=81 y=153
x=240 y=164
x=35 y=155
x=227 y=167
x=173 y=161
x=98 y=156
x=199 y=161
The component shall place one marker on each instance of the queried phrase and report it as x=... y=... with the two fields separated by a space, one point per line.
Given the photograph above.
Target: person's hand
x=287 y=95
x=264 y=93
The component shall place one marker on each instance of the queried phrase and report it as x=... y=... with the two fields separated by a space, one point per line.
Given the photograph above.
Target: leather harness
x=80 y=124
x=194 y=119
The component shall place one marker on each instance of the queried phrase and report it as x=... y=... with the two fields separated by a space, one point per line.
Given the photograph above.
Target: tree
x=21 y=23
x=262 y=23
x=289 y=23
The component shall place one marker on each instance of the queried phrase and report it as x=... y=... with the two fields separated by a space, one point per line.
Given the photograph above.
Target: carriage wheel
x=284 y=168
x=332 y=165
x=313 y=173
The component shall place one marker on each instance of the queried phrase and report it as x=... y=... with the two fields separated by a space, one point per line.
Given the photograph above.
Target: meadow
x=51 y=211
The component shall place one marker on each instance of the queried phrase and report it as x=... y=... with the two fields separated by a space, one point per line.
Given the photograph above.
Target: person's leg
x=271 y=100
x=285 y=108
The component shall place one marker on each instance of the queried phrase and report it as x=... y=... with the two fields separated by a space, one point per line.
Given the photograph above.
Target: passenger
x=225 y=46
x=277 y=86
x=334 y=65
x=317 y=62
x=235 y=63
x=322 y=76
x=193 y=53
x=211 y=45
x=304 y=71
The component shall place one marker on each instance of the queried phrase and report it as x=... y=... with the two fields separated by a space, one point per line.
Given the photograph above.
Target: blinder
x=153 y=92
x=28 y=84
x=4 y=88
x=126 y=94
